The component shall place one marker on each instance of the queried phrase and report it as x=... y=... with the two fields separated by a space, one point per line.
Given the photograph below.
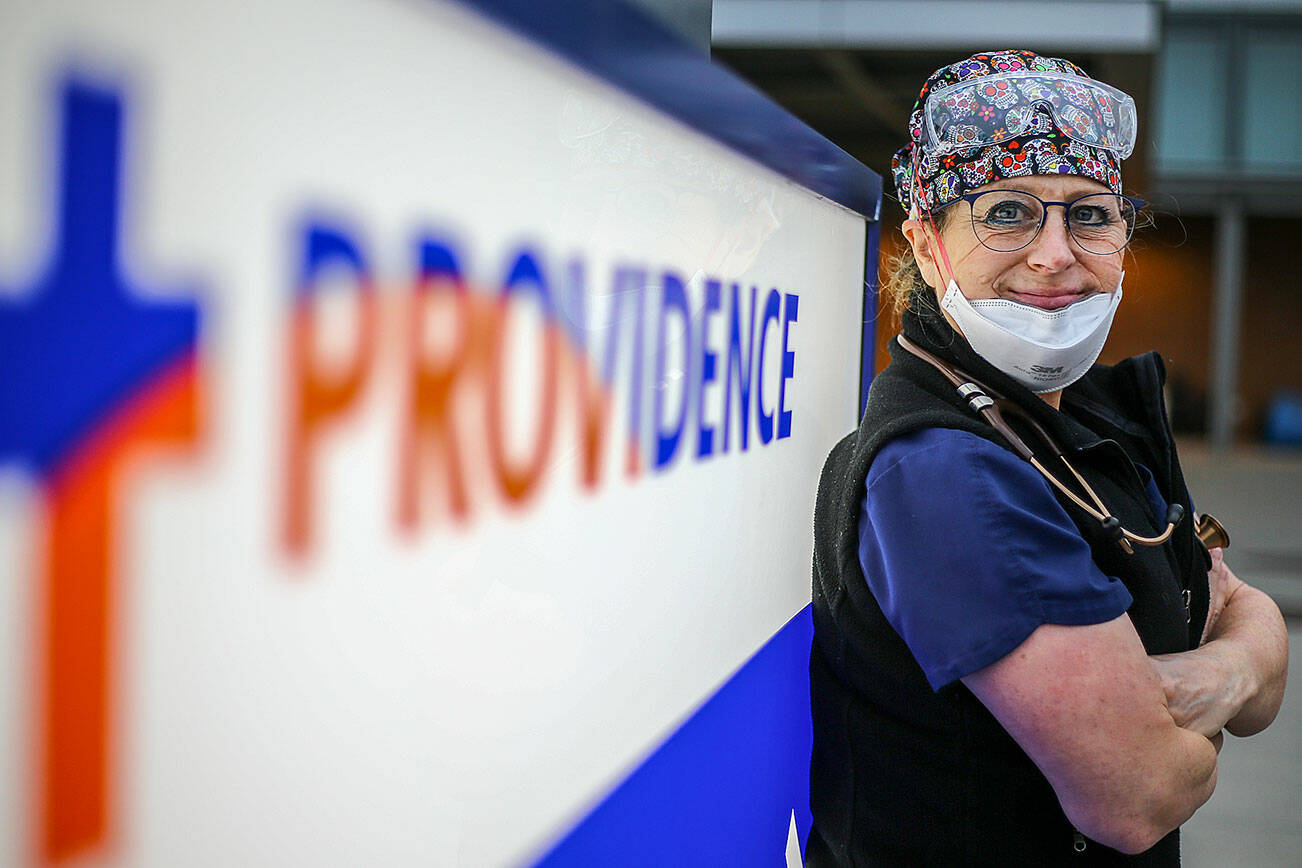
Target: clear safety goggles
x=998 y=108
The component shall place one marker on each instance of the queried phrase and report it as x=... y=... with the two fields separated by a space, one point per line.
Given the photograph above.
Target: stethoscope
x=993 y=409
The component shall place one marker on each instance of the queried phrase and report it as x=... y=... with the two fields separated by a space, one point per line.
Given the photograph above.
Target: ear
x=919 y=237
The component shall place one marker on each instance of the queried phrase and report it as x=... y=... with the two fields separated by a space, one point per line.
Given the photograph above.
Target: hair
x=903 y=277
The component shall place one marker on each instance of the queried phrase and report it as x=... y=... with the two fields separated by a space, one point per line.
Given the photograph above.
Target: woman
x=1023 y=654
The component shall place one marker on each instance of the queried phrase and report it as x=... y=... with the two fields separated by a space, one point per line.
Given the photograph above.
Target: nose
x=1052 y=248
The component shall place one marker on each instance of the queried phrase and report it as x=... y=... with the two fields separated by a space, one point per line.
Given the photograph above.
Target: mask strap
x=920 y=202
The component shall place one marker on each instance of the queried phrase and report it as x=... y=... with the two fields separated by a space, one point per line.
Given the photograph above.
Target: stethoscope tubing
x=979 y=398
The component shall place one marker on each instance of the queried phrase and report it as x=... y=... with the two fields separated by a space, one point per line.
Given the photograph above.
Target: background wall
x=1168 y=307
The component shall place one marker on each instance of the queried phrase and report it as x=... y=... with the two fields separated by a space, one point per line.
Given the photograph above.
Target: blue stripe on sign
x=624 y=45
x=721 y=789
x=868 y=343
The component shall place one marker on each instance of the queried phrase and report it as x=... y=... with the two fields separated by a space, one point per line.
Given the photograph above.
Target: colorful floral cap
x=1042 y=150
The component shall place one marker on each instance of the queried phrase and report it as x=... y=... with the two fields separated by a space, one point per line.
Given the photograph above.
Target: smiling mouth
x=1049 y=299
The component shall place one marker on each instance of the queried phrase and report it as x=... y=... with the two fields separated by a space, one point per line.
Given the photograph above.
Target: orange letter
x=315 y=398
x=518 y=482
x=430 y=386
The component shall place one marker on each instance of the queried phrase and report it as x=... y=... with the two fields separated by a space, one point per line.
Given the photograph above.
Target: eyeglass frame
x=971 y=198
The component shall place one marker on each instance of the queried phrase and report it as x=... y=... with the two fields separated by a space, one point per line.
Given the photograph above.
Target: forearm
x=1086 y=705
x=1252 y=641
x=1165 y=788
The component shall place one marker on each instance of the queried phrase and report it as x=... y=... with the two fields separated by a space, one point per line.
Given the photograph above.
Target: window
x=1229 y=98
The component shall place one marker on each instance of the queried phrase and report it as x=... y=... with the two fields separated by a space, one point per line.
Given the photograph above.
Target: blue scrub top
x=967 y=551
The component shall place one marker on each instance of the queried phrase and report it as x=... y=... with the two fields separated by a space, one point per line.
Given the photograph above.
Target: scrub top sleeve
x=967 y=551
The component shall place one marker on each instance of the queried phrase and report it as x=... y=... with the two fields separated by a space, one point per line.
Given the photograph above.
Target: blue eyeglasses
x=1008 y=220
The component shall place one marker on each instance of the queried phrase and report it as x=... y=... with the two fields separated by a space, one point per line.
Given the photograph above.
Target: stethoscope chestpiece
x=1212 y=533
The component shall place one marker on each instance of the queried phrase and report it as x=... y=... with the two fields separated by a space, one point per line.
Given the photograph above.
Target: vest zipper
x=1077 y=842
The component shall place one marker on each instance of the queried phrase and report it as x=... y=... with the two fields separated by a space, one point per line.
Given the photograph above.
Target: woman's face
x=1051 y=272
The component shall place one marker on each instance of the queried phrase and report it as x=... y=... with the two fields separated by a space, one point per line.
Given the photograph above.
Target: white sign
x=405 y=431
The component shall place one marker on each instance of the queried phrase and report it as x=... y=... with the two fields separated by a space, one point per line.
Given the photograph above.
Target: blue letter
x=788 y=367
x=325 y=244
x=626 y=280
x=705 y=433
x=574 y=309
x=525 y=270
x=438 y=260
x=739 y=370
x=771 y=306
x=673 y=297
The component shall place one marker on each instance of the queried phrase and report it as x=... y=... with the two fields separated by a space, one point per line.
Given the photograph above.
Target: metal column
x=1227 y=316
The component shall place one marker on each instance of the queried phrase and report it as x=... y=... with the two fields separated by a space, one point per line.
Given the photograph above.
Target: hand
x=1221 y=584
x=1201 y=689
x=1235 y=678
x=1196 y=685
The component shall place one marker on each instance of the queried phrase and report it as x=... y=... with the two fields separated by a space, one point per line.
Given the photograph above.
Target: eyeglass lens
x=1008 y=220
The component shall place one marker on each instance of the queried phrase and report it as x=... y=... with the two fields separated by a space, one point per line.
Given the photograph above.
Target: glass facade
x=1229 y=99
x=1191 y=117
x=1272 y=104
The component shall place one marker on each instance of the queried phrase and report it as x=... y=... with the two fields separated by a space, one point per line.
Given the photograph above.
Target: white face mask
x=1044 y=350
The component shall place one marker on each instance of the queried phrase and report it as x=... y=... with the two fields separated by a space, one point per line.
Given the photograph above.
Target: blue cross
x=81 y=340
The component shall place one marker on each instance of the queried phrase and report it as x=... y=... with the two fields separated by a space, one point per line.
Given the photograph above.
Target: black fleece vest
x=901 y=774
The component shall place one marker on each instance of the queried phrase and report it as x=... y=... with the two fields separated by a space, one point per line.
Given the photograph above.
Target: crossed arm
x=1129 y=742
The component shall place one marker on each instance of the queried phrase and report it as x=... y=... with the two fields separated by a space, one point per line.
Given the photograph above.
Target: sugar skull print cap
x=1004 y=114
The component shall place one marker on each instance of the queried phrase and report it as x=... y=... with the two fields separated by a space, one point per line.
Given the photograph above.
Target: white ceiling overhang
x=1095 y=25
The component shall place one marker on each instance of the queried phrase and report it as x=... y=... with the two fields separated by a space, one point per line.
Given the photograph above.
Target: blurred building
x=1214 y=284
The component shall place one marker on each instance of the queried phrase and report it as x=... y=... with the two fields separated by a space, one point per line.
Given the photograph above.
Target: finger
x=1218 y=740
